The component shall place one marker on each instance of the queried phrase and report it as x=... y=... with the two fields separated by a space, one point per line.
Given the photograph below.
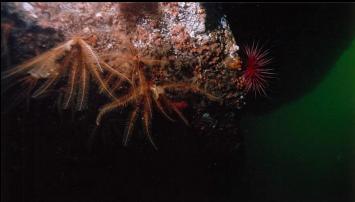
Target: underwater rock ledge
x=175 y=32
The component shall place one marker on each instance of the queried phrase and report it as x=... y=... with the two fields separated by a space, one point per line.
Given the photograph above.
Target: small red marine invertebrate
x=180 y=105
x=256 y=74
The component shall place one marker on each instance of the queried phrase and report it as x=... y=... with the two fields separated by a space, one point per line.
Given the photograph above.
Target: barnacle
x=74 y=60
x=233 y=63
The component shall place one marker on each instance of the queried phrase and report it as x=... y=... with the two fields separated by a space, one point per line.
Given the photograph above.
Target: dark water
x=299 y=142
x=307 y=147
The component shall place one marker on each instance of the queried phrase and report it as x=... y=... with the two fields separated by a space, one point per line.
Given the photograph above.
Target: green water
x=304 y=151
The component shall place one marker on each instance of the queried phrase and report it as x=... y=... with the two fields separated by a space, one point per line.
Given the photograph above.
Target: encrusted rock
x=174 y=31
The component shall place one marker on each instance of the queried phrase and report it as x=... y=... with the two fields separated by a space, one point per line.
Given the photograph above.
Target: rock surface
x=176 y=31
